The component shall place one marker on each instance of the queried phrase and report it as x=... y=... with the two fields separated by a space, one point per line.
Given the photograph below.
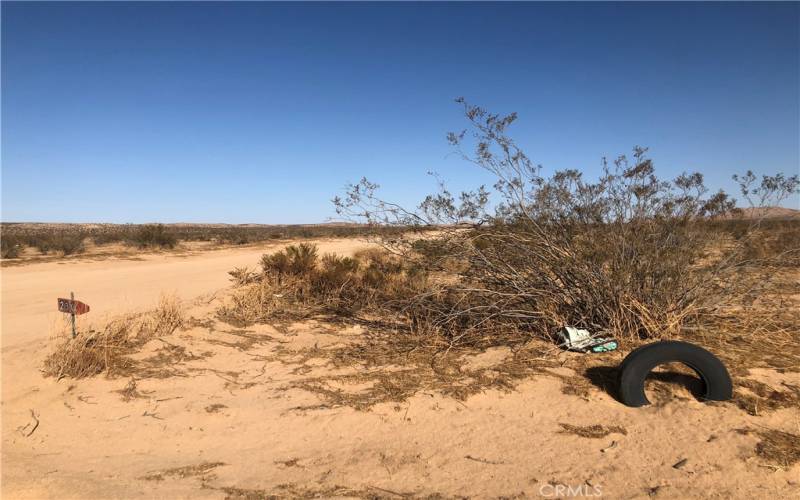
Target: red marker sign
x=73 y=308
x=70 y=306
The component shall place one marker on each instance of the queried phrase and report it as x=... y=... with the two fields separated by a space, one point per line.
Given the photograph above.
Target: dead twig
x=483 y=460
x=28 y=429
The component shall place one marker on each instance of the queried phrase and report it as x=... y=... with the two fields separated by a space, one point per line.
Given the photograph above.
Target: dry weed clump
x=105 y=350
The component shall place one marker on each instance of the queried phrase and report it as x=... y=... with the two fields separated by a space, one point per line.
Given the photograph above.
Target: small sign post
x=73 y=308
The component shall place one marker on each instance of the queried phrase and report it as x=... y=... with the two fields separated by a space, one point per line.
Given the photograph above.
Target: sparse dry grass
x=778 y=447
x=595 y=431
x=183 y=472
x=320 y=491
x=756 y=397
x=389 y=368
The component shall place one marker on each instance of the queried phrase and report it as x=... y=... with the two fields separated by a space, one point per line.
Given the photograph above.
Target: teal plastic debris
x=576 y=339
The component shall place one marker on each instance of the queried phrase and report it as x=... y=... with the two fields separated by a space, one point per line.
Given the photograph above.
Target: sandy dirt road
x=113 y=286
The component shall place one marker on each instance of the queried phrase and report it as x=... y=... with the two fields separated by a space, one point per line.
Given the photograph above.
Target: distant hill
x=767 y=213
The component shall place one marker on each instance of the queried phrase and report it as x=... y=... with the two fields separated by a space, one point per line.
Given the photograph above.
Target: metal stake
x=72 y=308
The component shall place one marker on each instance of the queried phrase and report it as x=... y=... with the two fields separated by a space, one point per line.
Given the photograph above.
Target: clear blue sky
x=257 y=112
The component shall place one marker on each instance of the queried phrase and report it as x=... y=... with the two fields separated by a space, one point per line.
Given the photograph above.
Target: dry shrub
x=296 y=282
x=630 y=254
x=97 y=351
x=167 y=317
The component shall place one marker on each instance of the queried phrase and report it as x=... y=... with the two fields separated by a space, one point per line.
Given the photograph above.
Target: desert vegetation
x=630 y=255
x=70 y=239
x=297 y=282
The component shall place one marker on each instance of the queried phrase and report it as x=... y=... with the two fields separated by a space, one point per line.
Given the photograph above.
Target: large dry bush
x=628 y=254
x=105 y=350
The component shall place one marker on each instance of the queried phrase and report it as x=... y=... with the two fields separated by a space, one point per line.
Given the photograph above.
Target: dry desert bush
x=104 y=350
x=296 y=282
x=630 y=254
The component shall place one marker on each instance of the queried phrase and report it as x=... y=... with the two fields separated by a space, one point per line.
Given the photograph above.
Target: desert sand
x=231 y=412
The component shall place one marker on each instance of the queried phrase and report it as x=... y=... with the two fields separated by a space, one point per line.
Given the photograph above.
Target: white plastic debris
x=576 y=339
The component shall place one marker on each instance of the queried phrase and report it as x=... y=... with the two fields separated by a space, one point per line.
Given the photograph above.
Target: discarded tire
x=639 y=363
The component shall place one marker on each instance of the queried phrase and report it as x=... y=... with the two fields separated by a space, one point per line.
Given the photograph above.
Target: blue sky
x=259 y=112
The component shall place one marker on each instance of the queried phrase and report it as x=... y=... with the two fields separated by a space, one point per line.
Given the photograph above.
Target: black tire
x=639 y=363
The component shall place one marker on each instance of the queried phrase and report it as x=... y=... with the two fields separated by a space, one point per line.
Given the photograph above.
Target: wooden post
x=72 y=313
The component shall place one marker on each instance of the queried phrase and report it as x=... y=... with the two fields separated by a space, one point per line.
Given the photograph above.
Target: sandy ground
x=113 y=286
x=228 y=415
